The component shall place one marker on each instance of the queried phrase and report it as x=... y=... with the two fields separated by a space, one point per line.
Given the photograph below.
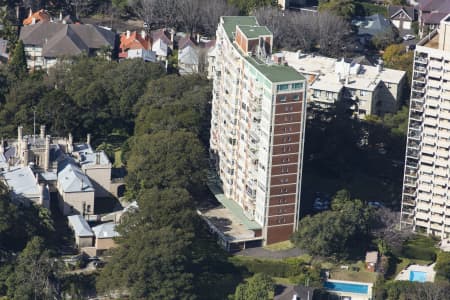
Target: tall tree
x=18 y=62
x=36 y=274
x=258 y=287
x=152 y=259
x=165 y=159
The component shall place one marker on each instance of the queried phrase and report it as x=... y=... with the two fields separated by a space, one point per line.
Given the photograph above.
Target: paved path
x=264 y=253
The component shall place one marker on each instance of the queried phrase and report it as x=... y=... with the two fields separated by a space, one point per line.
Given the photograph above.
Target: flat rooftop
x=226 y=217
x=325 y=71
x=253 y=32
x=250 y=27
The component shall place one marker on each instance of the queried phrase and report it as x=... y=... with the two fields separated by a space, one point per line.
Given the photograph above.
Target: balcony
x=428 y=150
x=423 y=187
x=410 y=182
x=437 y=199
x=426 y=169
x=443 y=143
x=422 y=216
x=443 y=153
x=426 y=178
x=421 y=60
x=411 y=191
x=416 y=106
x=411 y=172
x=427 y=159
x=441 y=162
x=436 y=219
x=443 y=133
x=420 y=69
x=433 y=93
x=439 y=191
x=423 y=198
x=417 y=116
x=445 y=104
x=433 y=101
x=430 y=121
x=412 y=153
x=444 y=124
x=429 y=140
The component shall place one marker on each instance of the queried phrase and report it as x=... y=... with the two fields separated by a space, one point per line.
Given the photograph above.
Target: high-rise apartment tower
x=426 y=194
x=257 y=127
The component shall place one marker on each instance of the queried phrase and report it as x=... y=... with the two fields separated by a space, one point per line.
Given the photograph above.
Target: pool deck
x=354 y=296
x=429 y=270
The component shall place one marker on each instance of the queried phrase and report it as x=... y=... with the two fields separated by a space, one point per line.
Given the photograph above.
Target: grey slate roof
x=394 y=9
x=71 y=178
x=372 y=25
x=105 y=230
x=188 y=56
x=80 y=226
x=58 y=39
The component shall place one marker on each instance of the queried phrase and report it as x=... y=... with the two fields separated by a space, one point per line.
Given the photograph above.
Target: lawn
x=419 y=247
x=286 y=245
x=361 y=275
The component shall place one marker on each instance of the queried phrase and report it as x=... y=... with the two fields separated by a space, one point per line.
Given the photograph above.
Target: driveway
x=264 y=253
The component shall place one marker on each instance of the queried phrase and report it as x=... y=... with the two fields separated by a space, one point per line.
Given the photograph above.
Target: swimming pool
x=417 y=276
x=346 y=287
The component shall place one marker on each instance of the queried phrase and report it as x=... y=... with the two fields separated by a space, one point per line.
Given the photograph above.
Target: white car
x=408 y=37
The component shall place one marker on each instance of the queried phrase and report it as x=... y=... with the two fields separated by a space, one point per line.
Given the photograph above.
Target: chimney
x=97 y=158
x=24 y=149
x=19 y=141
x=31 y=13
x=128 y=34
x=198 y=38
x=70 y=143
x=172 y=33
x=143 y=34
x=88 y=139
x=380 y=65
x=19 y=133
x=33 y=20
x=47 y=153
x=60 y=16
x=41 y=194
x=42 y=134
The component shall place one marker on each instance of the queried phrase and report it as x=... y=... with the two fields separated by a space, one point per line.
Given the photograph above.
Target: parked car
x=408 y=37
x=321 y=202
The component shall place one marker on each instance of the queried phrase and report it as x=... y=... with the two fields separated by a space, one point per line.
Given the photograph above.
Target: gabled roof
x=80 y=226
x=39 y=16
x=186 y=41
x=440 y=6
x=433 y=17
x=58 y=39
x=22 y=181
x=188 y=56
x=160 y=34
x=372 y=25
x=134 y=41
x=394 y=10
x=71 y=178
x=105 y=231
x=64 y=42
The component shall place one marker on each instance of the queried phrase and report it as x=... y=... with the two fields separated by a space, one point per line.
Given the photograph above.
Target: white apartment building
x=375 y=89
x=426 y=197
x=257 y=127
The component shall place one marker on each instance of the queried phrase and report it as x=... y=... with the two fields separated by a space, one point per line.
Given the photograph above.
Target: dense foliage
x=258 y=287
x=88 y=95
x=336 y=232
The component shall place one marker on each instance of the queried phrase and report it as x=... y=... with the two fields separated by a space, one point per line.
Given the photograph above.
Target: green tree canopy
x=335 y=232
x=18 y=61
x=165 y=159
x=36 y=274
x=258 y=287
x=152 y=259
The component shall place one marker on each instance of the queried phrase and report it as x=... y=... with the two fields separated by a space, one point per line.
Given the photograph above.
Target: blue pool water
x=346 y=287
x=417 y=276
